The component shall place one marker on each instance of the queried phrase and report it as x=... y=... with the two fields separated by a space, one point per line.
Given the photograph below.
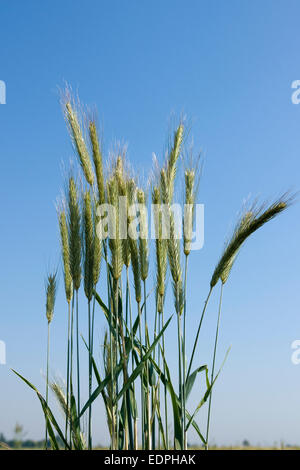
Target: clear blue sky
x=229 y=67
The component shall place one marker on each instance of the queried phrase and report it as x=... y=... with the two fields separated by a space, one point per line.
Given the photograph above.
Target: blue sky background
x=229 y=67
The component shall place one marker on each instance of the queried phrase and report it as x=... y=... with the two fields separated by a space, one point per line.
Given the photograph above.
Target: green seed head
x=50 y=296
x=64 y=237
x=79 y=142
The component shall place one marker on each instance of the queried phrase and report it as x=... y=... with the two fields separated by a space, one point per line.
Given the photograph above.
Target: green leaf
x=140 y=366
x=196 y=427
x=166 y=381
x=102 y=304
x=191 y=380
x=178 y=431
x=106 y=311
x=101 y=387
x=208 y=391
x=52 y=437
x=47 y=412
x=105 y=382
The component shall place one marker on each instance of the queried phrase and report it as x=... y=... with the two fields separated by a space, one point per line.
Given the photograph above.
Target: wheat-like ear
x=173 y=158
x=133 y=245
x=61 y=398
x=189 y=178
x=97 y=248
x=115 y=244
x=50 y=296
x=119 y=171
x=164 y=189
x=161 y=248
x=123 y=185
x=64 y=237
x=79 y=142
x=255 y=219
x=78 y=437
x=242 y=225
x=131 y=191
x=135 y=262
x=143 y=235
x=74 y=223
x=88 y=230
x=98 y=163
x=175 y=266
x=172 y=244
x=125 y=241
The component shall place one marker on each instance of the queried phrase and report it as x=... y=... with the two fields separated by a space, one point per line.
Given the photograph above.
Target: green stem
x=47 y=381
x=198 y=331
x=153 y=387
x=116 y=316
x=93 y=323
x=111 y=357
x=128 y=436
x=159 y=394
x=90 y=377
x=180 y=373
x=71 y=363
x=213 y=366
x=142 y=372
x=91 y=347
x=78 y=360
x=68 y=371
x=148 y=424
x=165 y=385
x=184 y=353
x=135 y=446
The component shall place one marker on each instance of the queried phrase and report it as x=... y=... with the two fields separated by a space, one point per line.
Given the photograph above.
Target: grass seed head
x=124 y=191
x=97 y=250
x=74 y=223
x=189 y=177
x=88 y=230
x=98 y=162
x=64 y=237
x=133 y=245
x=175 y=265
x=50 y=296
x=115 y=243
x=135 y=262
x=143 y=235
x=160 y=244
x=251 y=222
x=172 y=160
x=79 y=142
